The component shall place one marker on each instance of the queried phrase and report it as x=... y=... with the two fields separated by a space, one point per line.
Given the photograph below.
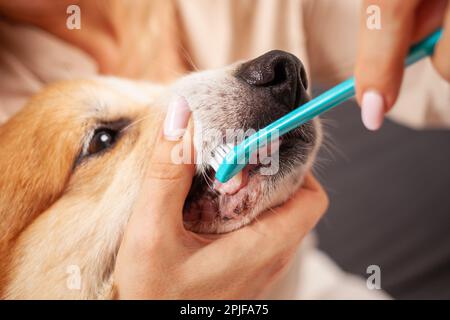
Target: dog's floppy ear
x=35 y=165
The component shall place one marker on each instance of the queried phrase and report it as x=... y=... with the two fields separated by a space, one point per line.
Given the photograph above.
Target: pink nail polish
x=177 y=119
x=372 y=110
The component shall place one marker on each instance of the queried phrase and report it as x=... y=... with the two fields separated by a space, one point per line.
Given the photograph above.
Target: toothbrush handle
x=424 y=48
x=236 y=159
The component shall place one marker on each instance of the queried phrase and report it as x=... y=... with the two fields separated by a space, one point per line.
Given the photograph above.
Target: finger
x=441 y=58
x=265 y=246
x=169 y=173
x=380 y=58
x=302 y=212
x=430 y=15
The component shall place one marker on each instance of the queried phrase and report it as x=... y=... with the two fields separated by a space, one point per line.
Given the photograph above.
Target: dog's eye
x=103 y=139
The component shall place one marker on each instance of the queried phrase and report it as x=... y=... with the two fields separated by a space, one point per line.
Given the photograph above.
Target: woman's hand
x=381 y=53
x=159 y=259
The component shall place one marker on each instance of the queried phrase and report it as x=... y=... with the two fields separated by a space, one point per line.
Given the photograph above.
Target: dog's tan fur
x=51 y=211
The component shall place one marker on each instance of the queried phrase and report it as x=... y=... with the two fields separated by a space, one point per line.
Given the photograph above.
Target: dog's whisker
x=135 y=123
x=188 y=58
x=274 y=211
x=209 y=181
x=174 y=72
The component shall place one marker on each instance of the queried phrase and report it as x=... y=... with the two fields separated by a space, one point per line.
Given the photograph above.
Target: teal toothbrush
x=228 y=160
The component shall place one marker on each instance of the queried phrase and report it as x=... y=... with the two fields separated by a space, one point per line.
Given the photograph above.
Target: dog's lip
x=226 y=204
x=241 y=179
x=233 y=185
x=231 y=204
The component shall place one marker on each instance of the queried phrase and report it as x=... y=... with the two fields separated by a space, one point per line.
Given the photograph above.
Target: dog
x=73 y=159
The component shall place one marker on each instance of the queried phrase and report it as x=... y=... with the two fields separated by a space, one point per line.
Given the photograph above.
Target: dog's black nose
x=280 y=72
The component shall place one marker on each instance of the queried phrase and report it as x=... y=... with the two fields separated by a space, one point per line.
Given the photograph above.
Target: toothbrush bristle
x=214 y=164
x=219 y=154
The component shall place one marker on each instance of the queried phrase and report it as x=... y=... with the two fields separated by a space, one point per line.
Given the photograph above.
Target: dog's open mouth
x=211 y=201
x=211 y=204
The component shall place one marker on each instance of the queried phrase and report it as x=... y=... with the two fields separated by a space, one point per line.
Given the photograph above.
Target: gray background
x=389 y=203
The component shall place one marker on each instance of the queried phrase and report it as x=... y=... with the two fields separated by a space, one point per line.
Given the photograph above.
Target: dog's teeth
x=218 y=155
x=232 y=186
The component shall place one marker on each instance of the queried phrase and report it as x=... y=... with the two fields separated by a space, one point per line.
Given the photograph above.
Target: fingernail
x=177 y=119
x=372 y=110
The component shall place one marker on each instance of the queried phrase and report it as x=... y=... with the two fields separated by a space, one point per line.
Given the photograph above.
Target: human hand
x=381 y=53
x=159 y=259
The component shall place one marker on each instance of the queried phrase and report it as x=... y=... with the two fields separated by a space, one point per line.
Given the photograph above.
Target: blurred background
x=389 y=203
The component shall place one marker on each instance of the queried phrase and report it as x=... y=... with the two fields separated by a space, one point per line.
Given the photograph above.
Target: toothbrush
x=228 y=159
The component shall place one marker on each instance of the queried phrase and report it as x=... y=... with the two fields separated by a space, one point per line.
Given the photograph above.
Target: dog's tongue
x=233 y=185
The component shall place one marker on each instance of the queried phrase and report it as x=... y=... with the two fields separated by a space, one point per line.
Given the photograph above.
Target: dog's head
x=229 y=105
x=72 y=163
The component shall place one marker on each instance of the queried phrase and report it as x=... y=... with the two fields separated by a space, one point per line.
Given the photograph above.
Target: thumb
x=170 y=171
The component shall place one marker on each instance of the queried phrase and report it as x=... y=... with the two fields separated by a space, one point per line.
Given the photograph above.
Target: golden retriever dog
x=73 y=159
